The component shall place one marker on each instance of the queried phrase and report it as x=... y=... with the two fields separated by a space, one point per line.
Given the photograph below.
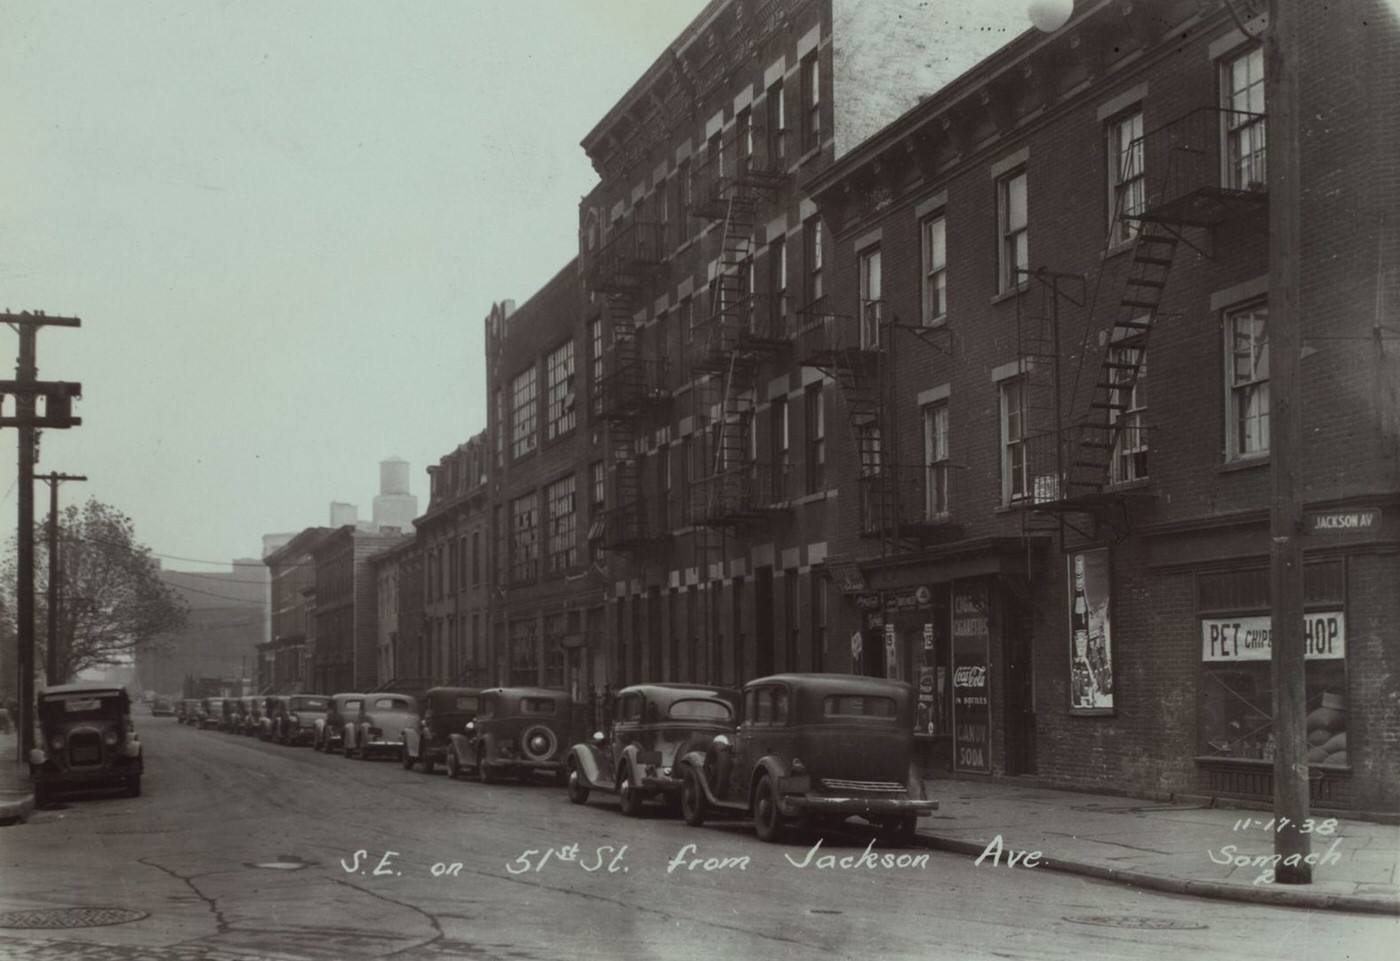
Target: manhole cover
x=1138 y=923
x=283 y=862
x=823 y=911
x=69 y=917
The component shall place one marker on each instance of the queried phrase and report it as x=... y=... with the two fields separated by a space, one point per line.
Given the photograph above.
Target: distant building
x=394 y=507
x=346 y=652
x=286 y=658
x=227 y=620
x=398 y=611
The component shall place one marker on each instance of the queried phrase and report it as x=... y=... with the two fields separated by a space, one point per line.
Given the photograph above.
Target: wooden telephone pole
x=58 y=413
x=52 y=661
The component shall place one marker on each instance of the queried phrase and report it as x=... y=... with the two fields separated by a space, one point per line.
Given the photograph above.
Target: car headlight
x=539 y=744
x=56 y=742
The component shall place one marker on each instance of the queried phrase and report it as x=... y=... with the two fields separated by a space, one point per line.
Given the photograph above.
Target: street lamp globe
x=1049 y=15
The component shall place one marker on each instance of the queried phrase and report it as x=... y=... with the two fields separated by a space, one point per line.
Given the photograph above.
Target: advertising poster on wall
x=971 y=680
x=1090 y=631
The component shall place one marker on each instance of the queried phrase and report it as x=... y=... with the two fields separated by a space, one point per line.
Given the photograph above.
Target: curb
x=1279 y=896
x=16 y=811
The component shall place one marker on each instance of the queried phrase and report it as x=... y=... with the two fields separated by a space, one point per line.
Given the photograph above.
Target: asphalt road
x=244 y=849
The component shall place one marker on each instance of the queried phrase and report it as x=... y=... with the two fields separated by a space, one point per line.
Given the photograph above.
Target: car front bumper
x=795 y=804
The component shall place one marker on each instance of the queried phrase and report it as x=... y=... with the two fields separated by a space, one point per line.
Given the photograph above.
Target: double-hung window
x=776 y=315
x=811 y=102
x=871 y=298
x=525 y=538
x=814 y=288
x=1242 y=93
x=1246 y=330
x=523 y=415
x=595 y=359
x=563 y=537
x=1127 y=179
x=935 y=262
x=1130 y=406
x=1015 y=469
x=782 y=448
x=777 y=128
x=1012 y=231
x=816 y=439
x=936 y=461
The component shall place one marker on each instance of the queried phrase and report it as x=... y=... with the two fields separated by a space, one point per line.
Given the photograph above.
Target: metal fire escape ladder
x=622 y=433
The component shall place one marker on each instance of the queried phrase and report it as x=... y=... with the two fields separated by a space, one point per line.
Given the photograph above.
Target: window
x=936 y=461
x=1127 y=179
x=1014 y=250
x=563 y=523
x=777 y=128
x=782 y=455
x=816 y=439
x=743 y=140
x=777 y=287
x=812 y=255
x=559 y=399
x=1242 y=93
x=858 y=705
x=935 y=260
x=599 y=485
x=687 y=319
x=500 y=426
x=595 y=357
x=1130 y=404
x=682 y=205
x=525 y=662
x=523 y=415
x=871 y=295
x=1014 y=470
x=1248 y=345
x=476 y=558
x=525 y=538
x=767 y=706
x=811 y=103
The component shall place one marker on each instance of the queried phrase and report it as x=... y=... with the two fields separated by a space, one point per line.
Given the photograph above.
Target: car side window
x=629 y=708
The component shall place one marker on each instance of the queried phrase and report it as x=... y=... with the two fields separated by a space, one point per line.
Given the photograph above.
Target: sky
x=282 y=225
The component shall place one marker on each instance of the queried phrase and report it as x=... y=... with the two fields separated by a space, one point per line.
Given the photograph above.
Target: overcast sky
x=282 y=225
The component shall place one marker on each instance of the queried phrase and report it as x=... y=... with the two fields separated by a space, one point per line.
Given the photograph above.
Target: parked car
x=653 y=725
x=297 y=722
x=163 y=706
x=521 y=730
x=330 y=731
x=378 y=727
x=86 y=739
x=444 y=713
x=249 y=714
x=817 y=747
x=232 y=720
x=267 y=722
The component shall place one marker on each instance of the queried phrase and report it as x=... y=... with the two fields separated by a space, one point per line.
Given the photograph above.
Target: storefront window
x=1236 y=693
x=1091 y=634
x=906 y=637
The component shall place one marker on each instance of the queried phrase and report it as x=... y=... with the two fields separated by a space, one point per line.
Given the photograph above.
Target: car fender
x=412 y=740
x=586 y=758
x=695 y=761
x=628 y=764
x=780 y=771
x=461 y=747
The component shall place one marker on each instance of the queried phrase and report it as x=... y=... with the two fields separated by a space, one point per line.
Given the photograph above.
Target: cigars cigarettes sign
x=1250 y=638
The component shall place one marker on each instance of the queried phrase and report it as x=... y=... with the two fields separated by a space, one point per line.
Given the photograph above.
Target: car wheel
x=578 y=791
x=133 y=786
x=484 y=770
x=767 y=819
x=692 y=798
x=427 y=764
x=453 y=770
x=405 y=758
x=629 y=798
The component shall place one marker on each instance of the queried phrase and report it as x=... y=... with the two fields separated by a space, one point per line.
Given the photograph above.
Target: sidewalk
x=1180 y=848
x=16 y=796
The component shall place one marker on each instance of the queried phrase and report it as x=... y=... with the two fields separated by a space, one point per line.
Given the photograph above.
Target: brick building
x=701 y=256
x=286 y=658
x=346 y=652
x=398 y=618
x=545 y=464
x=1059 y=532
x=453 y=538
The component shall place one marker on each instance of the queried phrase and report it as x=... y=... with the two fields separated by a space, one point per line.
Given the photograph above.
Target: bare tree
x=111 y=597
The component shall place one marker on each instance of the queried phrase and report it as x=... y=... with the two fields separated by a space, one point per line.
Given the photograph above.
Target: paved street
x=240 y=849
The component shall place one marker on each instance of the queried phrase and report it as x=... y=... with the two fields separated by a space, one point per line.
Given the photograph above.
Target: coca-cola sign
x=970 y=675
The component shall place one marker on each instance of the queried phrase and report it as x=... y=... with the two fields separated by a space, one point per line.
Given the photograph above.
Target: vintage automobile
x=378 y=727
x=232 y=720
x=86 y=740
x=819 y=748
x=211 y=712
x=249 y=715
x=653 y=725
x=296 y=724
x=163 y=705
x=521 y=730
x=267 y=720
x=330 y=730
x=444 y=712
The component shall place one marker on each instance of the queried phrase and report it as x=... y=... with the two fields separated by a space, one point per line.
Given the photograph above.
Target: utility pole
x=57 y=413
x=1282 y=90
x=52 y=660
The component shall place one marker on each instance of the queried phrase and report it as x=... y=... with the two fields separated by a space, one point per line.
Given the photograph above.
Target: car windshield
x=309 y=703
x=536 y=705
x=858 y=705
x=693 y=709
x=79 y=707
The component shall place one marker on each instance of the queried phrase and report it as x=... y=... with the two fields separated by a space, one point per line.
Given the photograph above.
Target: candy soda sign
x=971 y=680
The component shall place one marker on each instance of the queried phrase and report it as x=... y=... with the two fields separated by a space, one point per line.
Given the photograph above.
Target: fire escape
x=742 y=329
x=1203 y=169
x=630 y=390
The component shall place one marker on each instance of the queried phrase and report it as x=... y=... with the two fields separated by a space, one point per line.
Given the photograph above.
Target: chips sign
x=1250 y=638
